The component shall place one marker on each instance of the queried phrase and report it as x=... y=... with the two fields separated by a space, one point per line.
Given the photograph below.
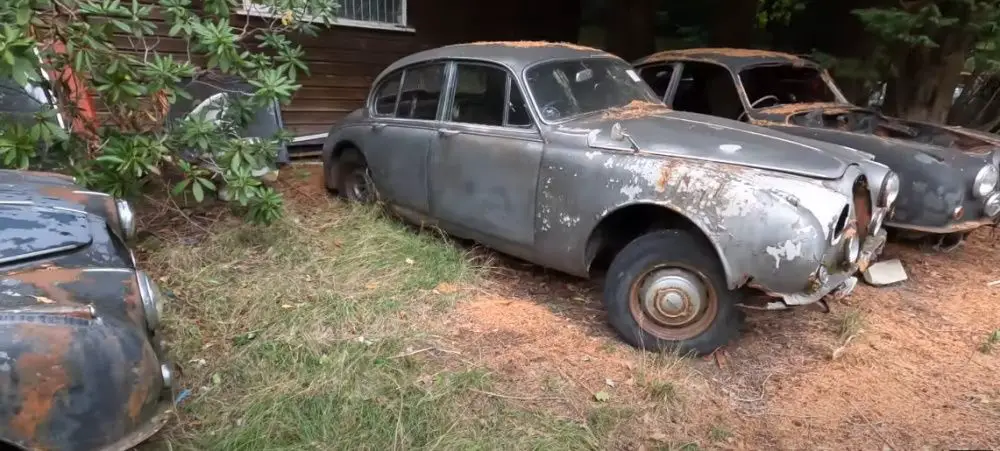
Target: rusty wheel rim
x=673 y=302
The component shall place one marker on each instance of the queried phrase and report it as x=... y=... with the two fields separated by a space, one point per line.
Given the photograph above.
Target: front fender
x=72 y=380
x=761 y=230
x=765 y=226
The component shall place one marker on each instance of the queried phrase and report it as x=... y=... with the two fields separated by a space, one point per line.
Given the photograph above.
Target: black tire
x=677 y=252
x=354 y=181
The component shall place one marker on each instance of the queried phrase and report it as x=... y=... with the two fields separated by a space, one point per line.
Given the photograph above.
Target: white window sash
x=250 y=8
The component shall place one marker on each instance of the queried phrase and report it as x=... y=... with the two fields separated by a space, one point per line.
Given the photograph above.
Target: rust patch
x=51 y=174
x=42 y=376
x=665 y=172
x=64 y=193
x=636 y=109
x=714 y=54
x=133 y=300
x=795 y=108
x=862 y=206
x=536 y=44
x=145 y=372
x=48 y=281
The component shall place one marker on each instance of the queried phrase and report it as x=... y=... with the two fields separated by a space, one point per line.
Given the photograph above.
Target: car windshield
x=790 y=84
x=568 y=88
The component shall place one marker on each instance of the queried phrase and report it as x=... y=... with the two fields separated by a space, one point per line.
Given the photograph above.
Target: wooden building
x=370 y=34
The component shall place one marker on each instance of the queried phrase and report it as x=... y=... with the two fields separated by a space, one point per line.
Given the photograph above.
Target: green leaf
x=179 y=187
x=602 y=396
x=206 y=183
x=199 y=195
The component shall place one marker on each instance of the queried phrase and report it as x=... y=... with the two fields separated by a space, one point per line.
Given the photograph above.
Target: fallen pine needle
x=521 y=398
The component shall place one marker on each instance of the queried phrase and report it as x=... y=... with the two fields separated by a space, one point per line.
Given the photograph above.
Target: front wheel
x=666 y=290
x=354 y=179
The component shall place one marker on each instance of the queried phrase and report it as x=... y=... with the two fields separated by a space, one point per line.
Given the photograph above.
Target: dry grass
x=341 y=329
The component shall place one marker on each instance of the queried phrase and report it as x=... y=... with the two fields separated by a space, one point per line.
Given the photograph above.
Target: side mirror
x=617 y=132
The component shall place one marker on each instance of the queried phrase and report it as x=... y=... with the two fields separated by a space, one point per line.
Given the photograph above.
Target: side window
x=479 y=94
x=517 y=109
x=421 y=92
x=707 y=89
x=658 y=78
x=385 y=98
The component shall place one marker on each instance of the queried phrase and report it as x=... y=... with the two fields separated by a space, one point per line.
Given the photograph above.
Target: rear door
x=405 y=114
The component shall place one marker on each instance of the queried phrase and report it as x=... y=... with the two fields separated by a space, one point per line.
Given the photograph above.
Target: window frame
x=675 y=78
x=681 y=64
x=445 y=76
x=373 y=96
x=251 y=8
x=511 y=81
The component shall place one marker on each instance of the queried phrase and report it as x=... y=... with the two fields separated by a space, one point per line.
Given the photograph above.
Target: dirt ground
x=898 y=367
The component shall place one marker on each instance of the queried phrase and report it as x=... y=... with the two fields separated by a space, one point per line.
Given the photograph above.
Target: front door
x=404 y=122
x=485 y=160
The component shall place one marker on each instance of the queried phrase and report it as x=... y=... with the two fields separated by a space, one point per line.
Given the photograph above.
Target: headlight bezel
x=126 y=218
x=992 y=202
x=152 y=300
x=988 y=172
x=890 y=190
x=852 y=250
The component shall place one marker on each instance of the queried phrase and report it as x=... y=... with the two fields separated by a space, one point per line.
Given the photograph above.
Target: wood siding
x=344 y=60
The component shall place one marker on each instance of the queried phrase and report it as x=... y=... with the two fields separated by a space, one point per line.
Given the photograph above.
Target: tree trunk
x=630 y=29
x=925 y=86
x=735 y=23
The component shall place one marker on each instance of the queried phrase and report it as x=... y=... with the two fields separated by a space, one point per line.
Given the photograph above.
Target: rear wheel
x=666 y=290
x=354 y=181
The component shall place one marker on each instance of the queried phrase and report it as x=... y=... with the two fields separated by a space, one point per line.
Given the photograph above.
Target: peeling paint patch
x=631 y=191
x=593 y=154
x=788 y=251
x=730 y=148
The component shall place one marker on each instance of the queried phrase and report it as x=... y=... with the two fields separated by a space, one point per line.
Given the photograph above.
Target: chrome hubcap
x=673 y=297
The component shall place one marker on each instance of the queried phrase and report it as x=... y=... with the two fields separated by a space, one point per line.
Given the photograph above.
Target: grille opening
x=862 y=206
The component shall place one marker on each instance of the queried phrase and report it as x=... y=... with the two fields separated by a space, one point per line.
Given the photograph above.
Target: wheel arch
x=332 y=160
x=627 y=222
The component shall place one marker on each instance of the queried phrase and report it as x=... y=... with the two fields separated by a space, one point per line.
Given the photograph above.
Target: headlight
x=126 y=217
x=992 y=207
x=152 y=300
x=890 y=190
x=852 y=250
x=986 y=180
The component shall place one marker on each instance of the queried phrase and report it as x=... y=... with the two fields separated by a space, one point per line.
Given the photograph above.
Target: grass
x=851 y=324
x=303 y=335
x=991 y=342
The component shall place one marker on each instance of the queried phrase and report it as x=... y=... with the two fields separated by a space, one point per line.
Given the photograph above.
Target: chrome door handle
x=447 y=132
x=377 y=127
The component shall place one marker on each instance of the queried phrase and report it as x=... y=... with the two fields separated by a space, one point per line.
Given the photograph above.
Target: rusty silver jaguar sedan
x=561 y=155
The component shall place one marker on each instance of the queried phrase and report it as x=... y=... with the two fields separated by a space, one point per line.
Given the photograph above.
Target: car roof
x=735 y=59
x=514 y=54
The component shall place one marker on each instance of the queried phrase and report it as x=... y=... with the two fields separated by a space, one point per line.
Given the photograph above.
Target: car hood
x=31 y=232
x=689 y=135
